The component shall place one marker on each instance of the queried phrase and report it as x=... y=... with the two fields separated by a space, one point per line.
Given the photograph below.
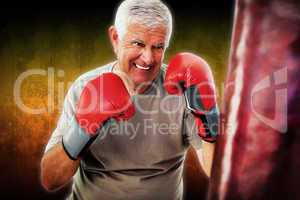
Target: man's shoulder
x=92 y=74
x=163 y=70
x=84 y=78
x=163 y=67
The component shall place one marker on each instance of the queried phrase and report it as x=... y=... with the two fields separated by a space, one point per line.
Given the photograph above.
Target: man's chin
x=142 y=83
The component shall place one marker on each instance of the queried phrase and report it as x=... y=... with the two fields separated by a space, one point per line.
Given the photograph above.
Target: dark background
x=72 y=37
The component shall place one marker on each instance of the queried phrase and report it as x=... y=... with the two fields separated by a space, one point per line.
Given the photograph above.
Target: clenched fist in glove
x=102 y=98
x=191 y=75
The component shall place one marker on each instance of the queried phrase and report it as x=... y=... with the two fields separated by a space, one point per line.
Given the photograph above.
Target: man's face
x=140 y=52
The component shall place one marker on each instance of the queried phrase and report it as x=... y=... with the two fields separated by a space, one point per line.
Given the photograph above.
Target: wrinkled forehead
x=158 y=33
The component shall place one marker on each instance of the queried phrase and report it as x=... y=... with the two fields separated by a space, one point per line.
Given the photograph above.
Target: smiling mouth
x=141 y=67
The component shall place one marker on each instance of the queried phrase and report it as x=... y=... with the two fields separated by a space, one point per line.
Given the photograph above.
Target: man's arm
x=57 y=168
x=205 y=155
x=111 y=100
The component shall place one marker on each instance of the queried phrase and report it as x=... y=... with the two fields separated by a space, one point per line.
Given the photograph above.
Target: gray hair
x=151 y=13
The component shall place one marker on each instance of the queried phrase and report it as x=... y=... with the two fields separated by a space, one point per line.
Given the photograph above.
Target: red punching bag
x=258 y=151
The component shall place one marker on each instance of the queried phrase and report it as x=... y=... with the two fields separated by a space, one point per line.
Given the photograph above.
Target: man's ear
x=114 y=38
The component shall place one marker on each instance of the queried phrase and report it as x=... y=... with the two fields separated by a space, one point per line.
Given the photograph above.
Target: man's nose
x=147 y=56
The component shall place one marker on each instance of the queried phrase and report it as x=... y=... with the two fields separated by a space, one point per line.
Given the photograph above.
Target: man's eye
x=139 y=44
x=159 y=47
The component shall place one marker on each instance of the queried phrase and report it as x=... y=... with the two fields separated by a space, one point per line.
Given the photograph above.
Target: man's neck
x=130 y=85
x=127 y=82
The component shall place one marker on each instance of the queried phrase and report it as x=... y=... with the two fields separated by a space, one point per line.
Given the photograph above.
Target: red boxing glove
x=191 y=75
x=102 y=98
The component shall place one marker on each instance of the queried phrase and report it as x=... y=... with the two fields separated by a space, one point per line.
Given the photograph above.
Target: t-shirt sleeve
x=191 y=136
x=64 y=122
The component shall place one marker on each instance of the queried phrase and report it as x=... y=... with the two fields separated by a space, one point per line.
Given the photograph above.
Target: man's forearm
x=208 y=153
x=57 y=168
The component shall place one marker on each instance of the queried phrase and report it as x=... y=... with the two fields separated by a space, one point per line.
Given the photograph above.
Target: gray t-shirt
x=138 y=159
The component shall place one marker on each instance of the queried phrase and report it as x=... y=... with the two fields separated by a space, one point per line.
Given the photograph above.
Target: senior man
x=126 y=126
